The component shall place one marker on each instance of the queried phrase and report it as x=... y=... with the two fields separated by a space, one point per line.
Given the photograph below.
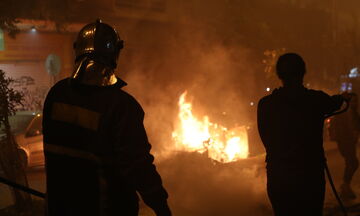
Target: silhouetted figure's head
x=290 y=68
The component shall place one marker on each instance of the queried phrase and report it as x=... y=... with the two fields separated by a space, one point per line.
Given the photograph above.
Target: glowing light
x=354 y=72
x=267 y=89
x=89 y=32
x=251 y=103
x=33 y=29
x=203 y=136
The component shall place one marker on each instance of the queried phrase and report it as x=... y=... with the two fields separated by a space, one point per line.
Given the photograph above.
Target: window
x=18 y=123
x=35 y=128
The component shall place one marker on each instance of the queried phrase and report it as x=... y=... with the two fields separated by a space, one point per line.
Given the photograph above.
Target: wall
x=23 y=59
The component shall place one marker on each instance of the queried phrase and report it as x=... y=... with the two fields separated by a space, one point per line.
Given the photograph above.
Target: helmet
x=97 y=49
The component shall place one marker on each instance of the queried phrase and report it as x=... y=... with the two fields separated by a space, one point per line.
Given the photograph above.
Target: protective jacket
x=97 y=152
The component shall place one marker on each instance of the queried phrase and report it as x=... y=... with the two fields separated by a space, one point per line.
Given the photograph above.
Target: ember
x=203 y=136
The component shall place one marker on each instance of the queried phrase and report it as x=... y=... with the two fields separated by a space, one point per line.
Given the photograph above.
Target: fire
x=220 y=143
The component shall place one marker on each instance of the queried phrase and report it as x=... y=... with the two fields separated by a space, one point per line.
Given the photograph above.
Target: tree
x=10 y=160
x=11 y=10
x=61 y=12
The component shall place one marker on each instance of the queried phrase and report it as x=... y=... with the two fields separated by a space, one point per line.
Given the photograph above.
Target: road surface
x=36 y=177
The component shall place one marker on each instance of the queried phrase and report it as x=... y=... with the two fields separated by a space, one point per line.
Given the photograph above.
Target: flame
x=203 y=136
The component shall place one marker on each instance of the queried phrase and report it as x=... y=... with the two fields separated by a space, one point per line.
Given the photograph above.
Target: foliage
x=61 y=12
x=33 y=98
x=9 y=25
x=9 y=99
x=10 y=161
x=11 y=10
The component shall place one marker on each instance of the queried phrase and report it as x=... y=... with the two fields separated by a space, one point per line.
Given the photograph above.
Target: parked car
x=27 y=128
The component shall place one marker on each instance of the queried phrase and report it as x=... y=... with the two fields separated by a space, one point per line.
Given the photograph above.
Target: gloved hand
x=158 y=205
x=346 y=96
x=163 y=211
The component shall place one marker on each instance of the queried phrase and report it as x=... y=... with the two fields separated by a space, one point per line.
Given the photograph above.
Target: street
x=336 y=166
x=36 y=177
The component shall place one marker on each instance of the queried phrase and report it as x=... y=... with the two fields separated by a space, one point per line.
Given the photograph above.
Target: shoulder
x=125 y=96
x=58 y=87
x=61 y=83
x=318 y=93
x=266 y=100
x=127 y=99
x=320 y=97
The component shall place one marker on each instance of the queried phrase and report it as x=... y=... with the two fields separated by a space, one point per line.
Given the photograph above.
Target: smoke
x=218 y=78
x=201 y=52
x=159 y=64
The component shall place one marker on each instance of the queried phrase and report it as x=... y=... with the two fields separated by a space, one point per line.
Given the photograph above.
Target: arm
x=262 y=122
x=330 y=104
x=46 y=114
x=135 y=161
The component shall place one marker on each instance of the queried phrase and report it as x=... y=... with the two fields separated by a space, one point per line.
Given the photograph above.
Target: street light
x=33 y=29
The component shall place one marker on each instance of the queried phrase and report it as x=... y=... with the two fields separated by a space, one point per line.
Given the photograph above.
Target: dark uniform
x=96 y=149
x=290 y=123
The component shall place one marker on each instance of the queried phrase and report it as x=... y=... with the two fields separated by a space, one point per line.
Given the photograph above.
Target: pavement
x=191 y=191
x=336 y=166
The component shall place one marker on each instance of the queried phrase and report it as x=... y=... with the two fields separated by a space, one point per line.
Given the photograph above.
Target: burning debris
x=201 y=135
x=197 y=185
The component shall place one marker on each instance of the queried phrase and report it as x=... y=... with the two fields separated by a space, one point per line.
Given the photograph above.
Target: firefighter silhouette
x=97 y=154
x=290 y=124
x=344 y=129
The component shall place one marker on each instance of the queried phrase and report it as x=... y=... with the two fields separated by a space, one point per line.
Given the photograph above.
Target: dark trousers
x=347 y=150
x=296 y=190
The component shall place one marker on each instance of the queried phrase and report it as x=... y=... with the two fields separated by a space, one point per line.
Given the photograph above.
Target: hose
x=342 y=206
x=22 y=188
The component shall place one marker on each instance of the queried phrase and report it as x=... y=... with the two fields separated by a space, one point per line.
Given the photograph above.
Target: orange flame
x=203 y=136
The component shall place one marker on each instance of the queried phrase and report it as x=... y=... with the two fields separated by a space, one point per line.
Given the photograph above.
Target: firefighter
x=344 y=129
x=97 y=154
x=290 y=124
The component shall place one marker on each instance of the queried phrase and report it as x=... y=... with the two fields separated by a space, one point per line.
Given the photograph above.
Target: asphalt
x=36 y=177
x=336 y=166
